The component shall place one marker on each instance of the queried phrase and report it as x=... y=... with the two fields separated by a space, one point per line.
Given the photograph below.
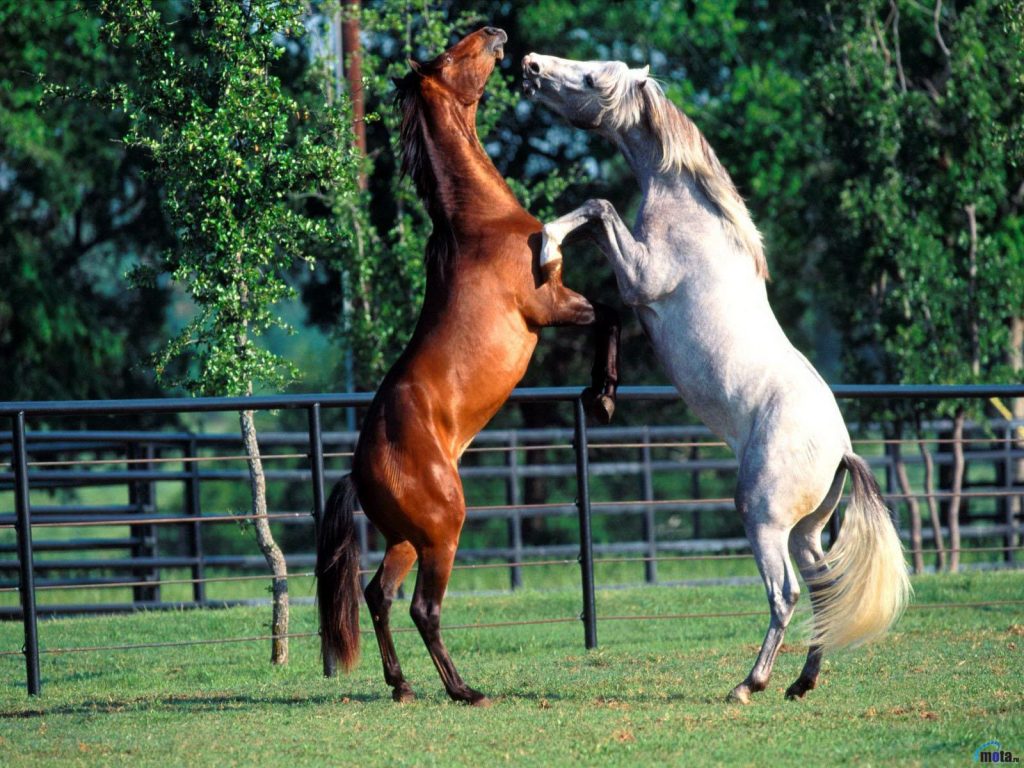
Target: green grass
x=941 y=684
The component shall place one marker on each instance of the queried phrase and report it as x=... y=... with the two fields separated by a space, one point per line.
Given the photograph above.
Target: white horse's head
x=593 y=95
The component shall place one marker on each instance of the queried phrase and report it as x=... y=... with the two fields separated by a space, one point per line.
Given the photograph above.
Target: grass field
x=943 y=683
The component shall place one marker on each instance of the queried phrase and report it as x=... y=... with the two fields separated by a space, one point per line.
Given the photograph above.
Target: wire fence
x=499 y=449
x=490 y=625
x=601 y=561
x=140 y=460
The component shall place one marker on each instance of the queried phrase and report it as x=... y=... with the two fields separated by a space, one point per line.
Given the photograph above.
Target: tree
x=738 y=70
x=75 y=211
x=371 y=288
x=924 y=200
x=247 y=175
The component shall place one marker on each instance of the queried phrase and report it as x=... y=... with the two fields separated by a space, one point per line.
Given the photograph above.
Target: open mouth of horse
x=531 y=85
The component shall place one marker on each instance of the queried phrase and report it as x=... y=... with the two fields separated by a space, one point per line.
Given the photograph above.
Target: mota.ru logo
x=993 y=752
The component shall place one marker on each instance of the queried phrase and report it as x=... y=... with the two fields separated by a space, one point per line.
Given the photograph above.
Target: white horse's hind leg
x=769 y=543
x=805 y=547
x=807 y=552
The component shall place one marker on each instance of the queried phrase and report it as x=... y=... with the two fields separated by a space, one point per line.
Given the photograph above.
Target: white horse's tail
x=863 y=585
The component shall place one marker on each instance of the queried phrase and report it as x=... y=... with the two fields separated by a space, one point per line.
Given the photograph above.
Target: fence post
x=698 y=529
x=193 y=508
x=316 y=465
x=27 y=581
x=1010 y=504
x=589 y=615
x=650 y=522
x=152 y=537
x=515 y=522
x=140 y=496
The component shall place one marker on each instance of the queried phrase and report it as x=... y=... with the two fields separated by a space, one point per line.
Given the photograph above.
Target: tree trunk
x=954 y=499
x=258 y=484
x=933 y=507
x=913 y=505
x=265 y=540
x=354 y=72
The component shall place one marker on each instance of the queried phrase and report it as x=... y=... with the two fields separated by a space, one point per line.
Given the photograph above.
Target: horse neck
x=642 y=150
x=676 y=194
x=466 y=182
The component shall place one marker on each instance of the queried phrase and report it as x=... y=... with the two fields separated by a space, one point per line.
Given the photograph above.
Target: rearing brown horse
x=485 y=301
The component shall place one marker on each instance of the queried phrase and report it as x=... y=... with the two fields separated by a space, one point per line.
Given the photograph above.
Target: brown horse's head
x=463 y=69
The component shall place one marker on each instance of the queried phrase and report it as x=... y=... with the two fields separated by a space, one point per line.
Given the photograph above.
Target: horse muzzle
x=496 y=44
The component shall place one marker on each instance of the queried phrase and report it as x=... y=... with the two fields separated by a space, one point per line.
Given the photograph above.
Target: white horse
x=694 y=269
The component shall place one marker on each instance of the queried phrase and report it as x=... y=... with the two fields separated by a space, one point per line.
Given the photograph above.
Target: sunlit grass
x=942 y=683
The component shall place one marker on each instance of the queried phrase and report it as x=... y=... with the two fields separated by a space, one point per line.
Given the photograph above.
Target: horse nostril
x=492 y=30
x=532 y=66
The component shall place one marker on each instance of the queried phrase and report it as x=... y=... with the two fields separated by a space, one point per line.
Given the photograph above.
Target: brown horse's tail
x=337 y=572
x=863 y=584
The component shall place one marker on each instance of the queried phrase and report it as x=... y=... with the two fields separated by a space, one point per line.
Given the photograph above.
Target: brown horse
x=486 y=300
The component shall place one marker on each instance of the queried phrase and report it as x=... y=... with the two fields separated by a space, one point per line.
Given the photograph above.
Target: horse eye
x=588 y=80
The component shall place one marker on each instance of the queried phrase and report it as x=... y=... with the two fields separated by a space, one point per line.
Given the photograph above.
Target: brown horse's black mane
x=441 y=247
x=415 y=163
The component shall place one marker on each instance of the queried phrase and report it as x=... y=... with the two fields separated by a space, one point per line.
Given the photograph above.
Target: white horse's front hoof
x=550 y=248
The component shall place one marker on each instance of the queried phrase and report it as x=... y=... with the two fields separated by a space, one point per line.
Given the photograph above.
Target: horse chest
x=704 y=360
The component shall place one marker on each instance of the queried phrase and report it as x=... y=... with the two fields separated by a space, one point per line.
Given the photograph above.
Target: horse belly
x=693 y=369
x=497 y=364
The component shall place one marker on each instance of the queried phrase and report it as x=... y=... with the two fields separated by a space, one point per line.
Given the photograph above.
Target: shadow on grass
x=198 y=704
x=185 y=704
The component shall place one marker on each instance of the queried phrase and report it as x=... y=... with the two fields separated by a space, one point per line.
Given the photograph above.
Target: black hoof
x=471 y=697
x=798 y=690
x=601 y=407
x=403 y=694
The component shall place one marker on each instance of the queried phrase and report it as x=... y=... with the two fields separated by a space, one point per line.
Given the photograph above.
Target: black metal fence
x=142 y=517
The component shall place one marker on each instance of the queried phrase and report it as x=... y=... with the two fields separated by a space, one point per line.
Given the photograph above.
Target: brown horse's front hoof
x=472 y=698
x=600 y=407
x=604 y=409
x=403 y=694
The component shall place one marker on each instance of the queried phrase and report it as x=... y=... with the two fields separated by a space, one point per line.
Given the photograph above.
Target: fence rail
x=145 y=463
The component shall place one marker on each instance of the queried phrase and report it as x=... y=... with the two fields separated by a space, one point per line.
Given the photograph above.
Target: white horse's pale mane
x=629 y=98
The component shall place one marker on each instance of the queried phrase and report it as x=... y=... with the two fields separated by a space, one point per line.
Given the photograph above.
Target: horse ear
x=415 y=66
x=641 y=75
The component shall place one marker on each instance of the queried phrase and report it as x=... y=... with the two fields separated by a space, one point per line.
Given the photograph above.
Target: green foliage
x=75 y=211
x=738 y=70
x=243 y=166
x=860 y=183
x=378 y=273
x=925 y=129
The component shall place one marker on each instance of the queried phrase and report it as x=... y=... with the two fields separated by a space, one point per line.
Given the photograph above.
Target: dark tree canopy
x=75 y=213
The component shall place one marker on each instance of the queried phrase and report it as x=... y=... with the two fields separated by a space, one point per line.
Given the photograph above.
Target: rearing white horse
x=694 y=269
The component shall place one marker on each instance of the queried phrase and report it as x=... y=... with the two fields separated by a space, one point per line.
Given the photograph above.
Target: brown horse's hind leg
x=380 y=592
x=431 y=582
